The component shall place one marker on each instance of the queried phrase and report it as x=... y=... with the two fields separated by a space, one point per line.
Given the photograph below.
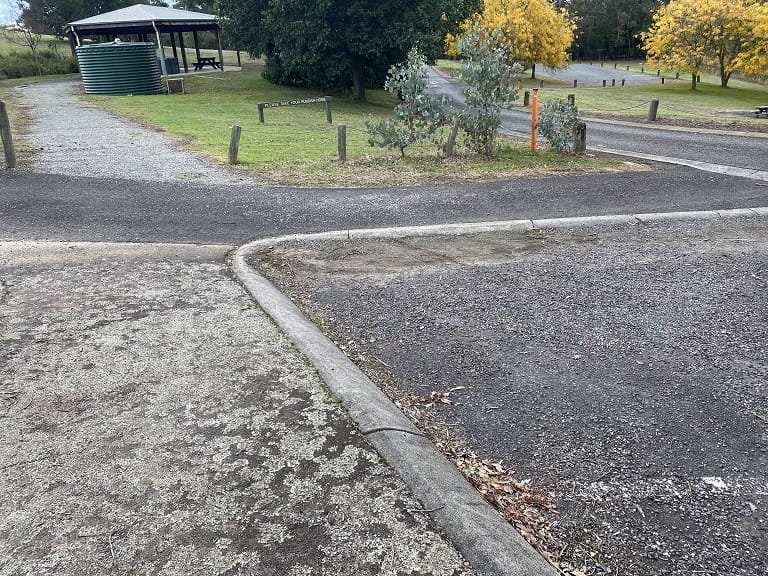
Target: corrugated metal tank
x=120 y=68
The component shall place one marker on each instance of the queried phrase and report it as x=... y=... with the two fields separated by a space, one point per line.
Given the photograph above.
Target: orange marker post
x=534 y=116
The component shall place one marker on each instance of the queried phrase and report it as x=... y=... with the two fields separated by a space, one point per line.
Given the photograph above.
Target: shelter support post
x=183 y=52
x=162 y=52
x=173 y=46
x=197 y=44
x=221 y=53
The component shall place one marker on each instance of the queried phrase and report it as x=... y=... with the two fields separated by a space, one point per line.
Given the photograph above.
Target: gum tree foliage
x=52 y=16
x=491 y=85
x=690 y=34
x=754 y=58
x=556 y=122
x=535 y=31
x=419 y=116
x=336 y=45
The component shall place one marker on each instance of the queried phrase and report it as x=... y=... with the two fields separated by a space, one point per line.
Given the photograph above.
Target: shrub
x=419 y=116
x=491 y=85
x=556 y=122
x=17 y=64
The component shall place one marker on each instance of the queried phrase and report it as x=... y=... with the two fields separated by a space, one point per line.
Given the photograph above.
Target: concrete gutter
x=489 y=543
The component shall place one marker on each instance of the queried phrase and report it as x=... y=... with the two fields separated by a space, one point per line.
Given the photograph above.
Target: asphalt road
x=735 y=151
x=622 y=368
x=54 y=207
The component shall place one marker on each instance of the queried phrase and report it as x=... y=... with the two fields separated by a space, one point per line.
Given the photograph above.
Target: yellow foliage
x=535 y=30
x=688 y=34
x=754 y=58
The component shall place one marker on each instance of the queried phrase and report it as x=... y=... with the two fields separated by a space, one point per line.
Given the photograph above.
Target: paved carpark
x=623 y=368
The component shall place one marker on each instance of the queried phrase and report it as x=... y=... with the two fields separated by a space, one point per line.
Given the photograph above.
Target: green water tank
x=120 y=68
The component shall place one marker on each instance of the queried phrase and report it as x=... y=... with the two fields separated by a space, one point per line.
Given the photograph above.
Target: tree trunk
x=533 y=70
x=693 y=80
x=358 y=78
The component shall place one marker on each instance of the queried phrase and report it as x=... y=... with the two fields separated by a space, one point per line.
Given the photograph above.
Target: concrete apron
x=154 y=420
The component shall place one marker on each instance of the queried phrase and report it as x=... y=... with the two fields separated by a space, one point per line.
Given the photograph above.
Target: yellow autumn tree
x=753 y=60
x=535 y=31
x=690 y=34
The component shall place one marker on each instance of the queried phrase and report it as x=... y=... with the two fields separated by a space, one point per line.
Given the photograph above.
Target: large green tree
x=609 y=28
x=339 y=44
x=52 y=16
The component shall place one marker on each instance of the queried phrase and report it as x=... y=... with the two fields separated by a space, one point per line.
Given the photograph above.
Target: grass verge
x=296 y=146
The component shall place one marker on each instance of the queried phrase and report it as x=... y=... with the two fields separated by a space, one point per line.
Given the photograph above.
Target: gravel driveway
x=75 y=138
x=622 y=369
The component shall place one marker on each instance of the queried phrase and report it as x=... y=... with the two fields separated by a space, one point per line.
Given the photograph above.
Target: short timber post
x=451 y=143
x=342 y=128
x=234 y=144
x=526 y=98
x=534 y=117
x=5 y=133
x=261 y=113
x=328 y=110
x=653 y=110
x=579 y=138
x=575 y=83
x=572 y=99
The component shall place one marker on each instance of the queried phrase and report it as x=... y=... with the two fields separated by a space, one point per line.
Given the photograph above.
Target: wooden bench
x=761 y=111
x=201 y=63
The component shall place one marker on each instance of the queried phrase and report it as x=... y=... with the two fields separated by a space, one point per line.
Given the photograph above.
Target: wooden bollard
x=603 y=83
x=342 y=132
x=234 y=144
x=653 y=110
x=451 y=143
x=526 y=98
x=579 y=138
x=575 y=83
x=5 y=133
x=613 y=81
x=622 y=81
x=572 y=99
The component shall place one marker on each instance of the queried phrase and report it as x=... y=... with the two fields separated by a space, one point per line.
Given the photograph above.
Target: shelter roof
x=144 y=18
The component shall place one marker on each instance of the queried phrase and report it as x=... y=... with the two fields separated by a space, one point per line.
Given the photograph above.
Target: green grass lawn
x=297 y=146
x=676 y=99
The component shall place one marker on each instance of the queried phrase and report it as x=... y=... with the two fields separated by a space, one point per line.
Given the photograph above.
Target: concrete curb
x=669 y=128
x=491 y=545
x=704 y=166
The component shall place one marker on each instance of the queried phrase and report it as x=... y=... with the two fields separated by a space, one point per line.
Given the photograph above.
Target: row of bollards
x=234 y=143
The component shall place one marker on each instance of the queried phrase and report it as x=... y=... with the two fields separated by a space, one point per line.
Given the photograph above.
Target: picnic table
x=761 y=111
x=201 y=62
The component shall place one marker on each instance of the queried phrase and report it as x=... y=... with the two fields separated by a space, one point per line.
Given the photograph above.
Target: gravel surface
x=623 y=369
x=75 y=138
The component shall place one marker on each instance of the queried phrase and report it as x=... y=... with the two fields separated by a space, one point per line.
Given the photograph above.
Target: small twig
x=111 y=549
x=424 y=511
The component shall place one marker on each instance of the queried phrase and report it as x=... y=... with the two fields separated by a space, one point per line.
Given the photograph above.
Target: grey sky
x=7 y=11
